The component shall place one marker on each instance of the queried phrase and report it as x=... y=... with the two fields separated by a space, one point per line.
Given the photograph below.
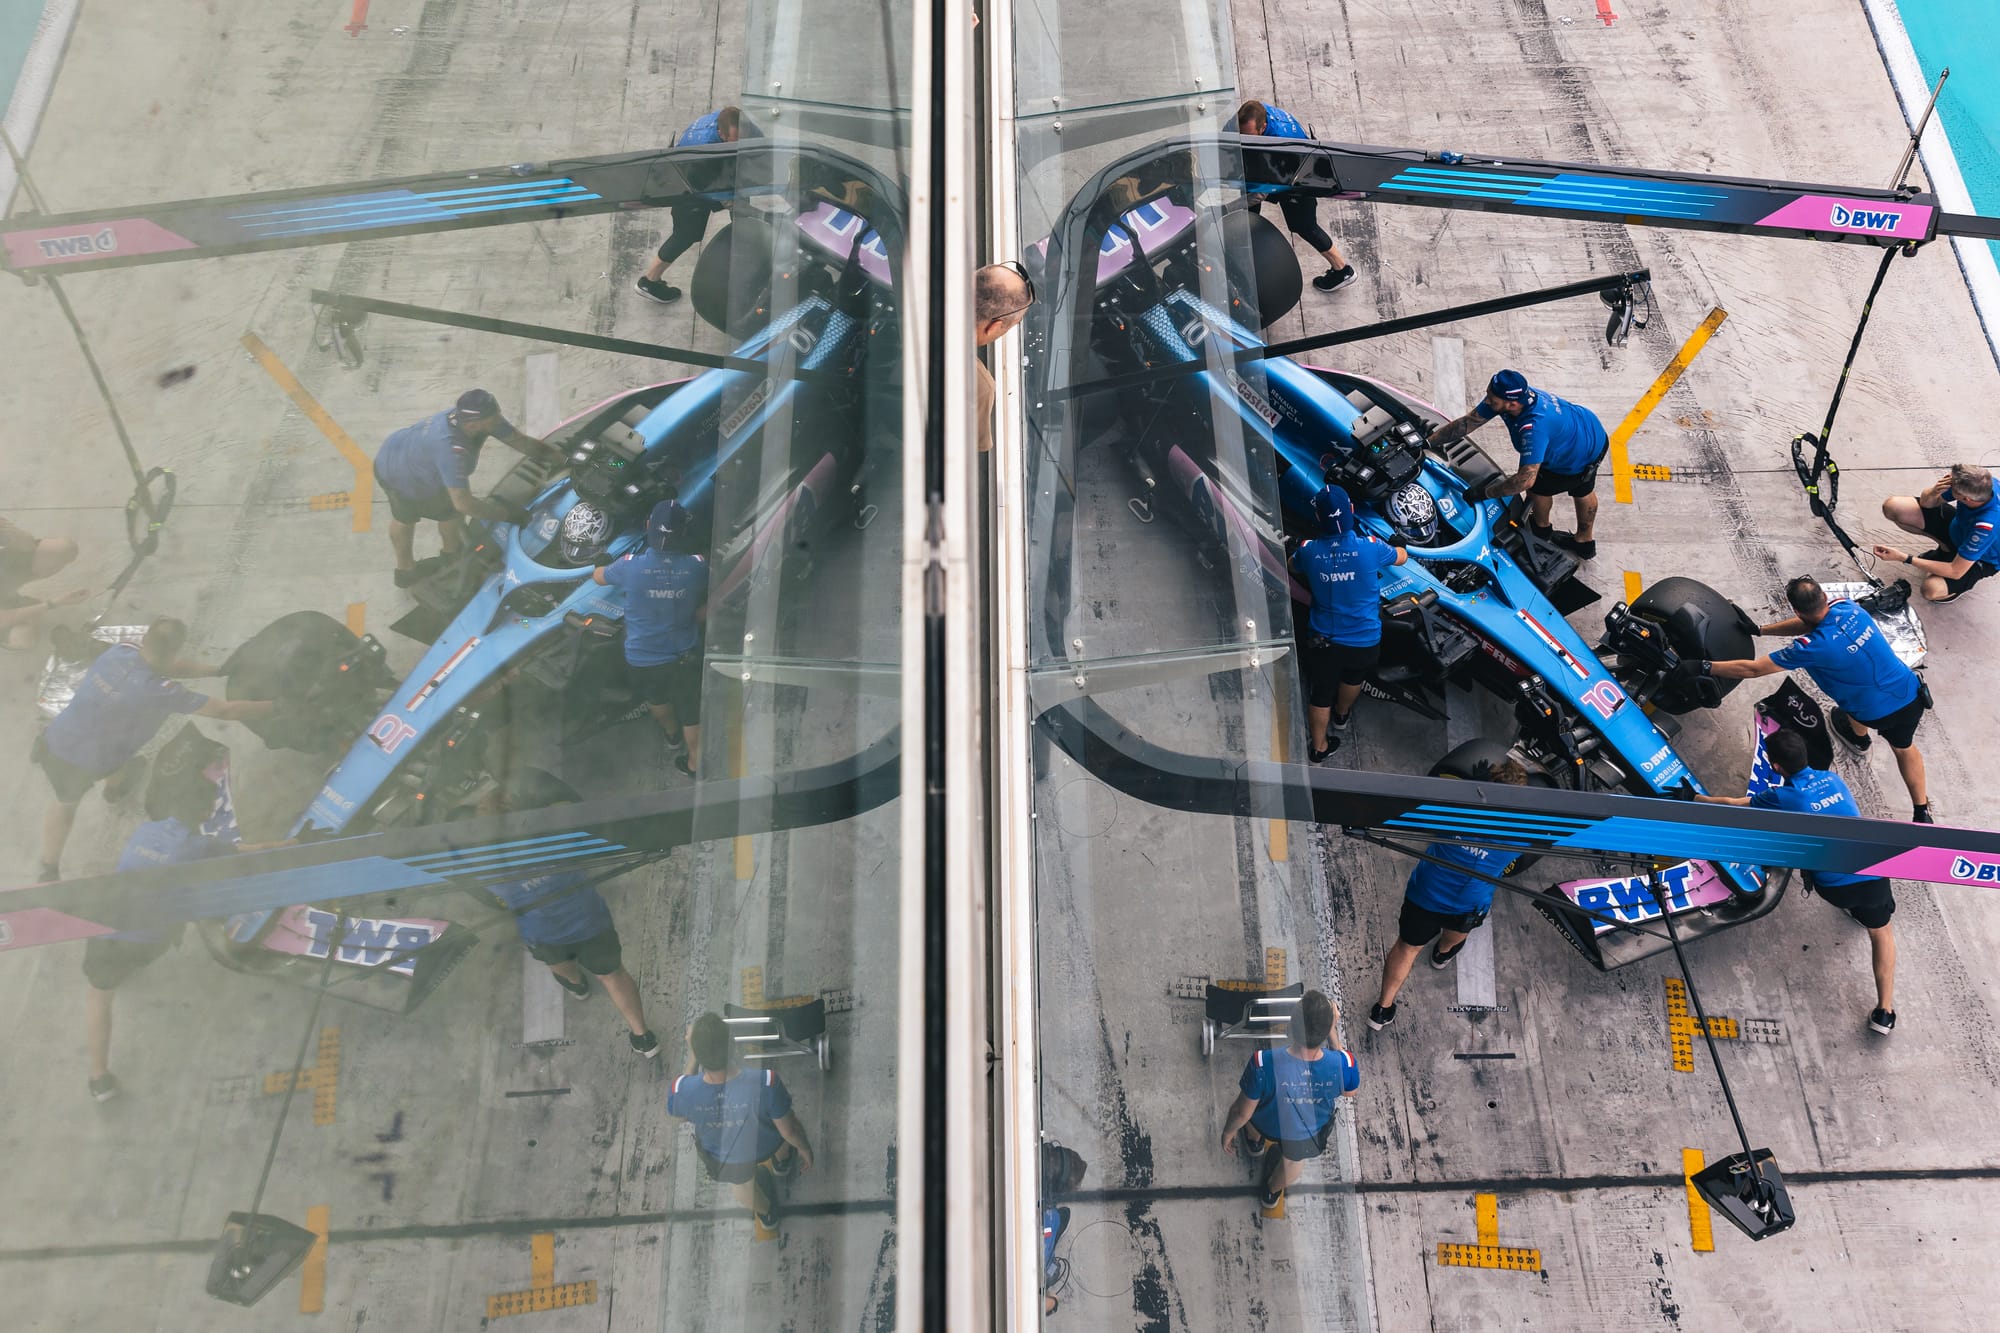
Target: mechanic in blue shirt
x=744 y=1130
x=1287 y=1096
x=118 y=707
x=1301 y=211
x=1958 y=511
x=725 y=124
x=1869 y=899
x=1561 y=445
x=111 y=960
x=666 y=601
x=1343 y=640
x=566 y=924
x=426 y=471
x=1445 y=902
x=1842 y=649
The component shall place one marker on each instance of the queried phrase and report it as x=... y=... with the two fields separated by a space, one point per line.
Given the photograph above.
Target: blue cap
x=1334 y=510
x=667 y=526
x=1511 y=385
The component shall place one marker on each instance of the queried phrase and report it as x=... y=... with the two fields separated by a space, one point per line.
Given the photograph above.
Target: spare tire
x=732 y=279
x=1700 y=623
x=1264 y=272
x=295 y=660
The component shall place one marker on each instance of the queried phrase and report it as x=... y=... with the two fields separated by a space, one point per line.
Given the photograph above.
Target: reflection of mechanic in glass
x=1287 y=1096
x=1343 y=640
x=426 y=471
x=666 y=600
x=1561 y=445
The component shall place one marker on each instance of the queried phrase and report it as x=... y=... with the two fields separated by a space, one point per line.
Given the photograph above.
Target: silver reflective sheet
x=1903 y=630
x=60 y=676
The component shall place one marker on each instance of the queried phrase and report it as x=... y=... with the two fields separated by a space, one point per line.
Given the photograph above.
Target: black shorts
x=599 y=955
x=733 y=1173
x=677 y=684
x=72 y=784
x=1937 y=525
x=1330 y=665
x=405 y=510
x=1871 y=902
x=1900 y=727
x=1304 y=1150
x=1417 y=926
x=107 y=964
x=1579 y=483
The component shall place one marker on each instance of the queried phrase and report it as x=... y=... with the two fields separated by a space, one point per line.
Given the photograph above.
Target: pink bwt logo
x=1822 y=212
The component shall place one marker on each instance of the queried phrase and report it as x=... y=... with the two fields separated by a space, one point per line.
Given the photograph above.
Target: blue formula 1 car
x=1480 y=600
x=519 y=610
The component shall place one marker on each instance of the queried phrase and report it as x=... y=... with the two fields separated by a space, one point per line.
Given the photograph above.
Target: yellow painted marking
x=1682 y=1029
x=330 y=501
x=1279 y=842
x=537 y=1299
x=322 y=1076
x=1276 y=1212
x=1486 y=1219
x=1488 y=1252
x=1700 y=1225
x=1621 y=463
x=1489 y=1256
x=542 y=1260
x=312 y=1277
x=357 y=618
x=362 y=498
x=1274 y=968
x=1652 y=472
x=1633 y=587
x=753 y=988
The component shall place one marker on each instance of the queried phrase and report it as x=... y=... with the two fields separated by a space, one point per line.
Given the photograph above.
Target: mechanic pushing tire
x=1700 y=623
x=1468 y=761
x=296 y=660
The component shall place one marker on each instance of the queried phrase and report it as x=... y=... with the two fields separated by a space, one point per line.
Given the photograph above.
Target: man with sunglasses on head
x=1002 y=296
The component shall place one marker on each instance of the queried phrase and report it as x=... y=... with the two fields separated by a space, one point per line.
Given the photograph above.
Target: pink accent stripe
x=44 y=925
x=1940 y=865
x=43 y=247
x=1853 y=217
x=1604 y=12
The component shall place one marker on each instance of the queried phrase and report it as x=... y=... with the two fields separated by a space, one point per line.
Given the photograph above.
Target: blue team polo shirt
x=556 y=912
x=704 y=131
x=663 y=591
x=164 y=842
x=1973 y=531
x=119 y=705
x=1556 y=433
x=734 y=1121
x=431 y=457
x=1451 y=892
x=1278 y=124
x=1847 y=656
x=1814 y=791
x=1295 y=1097
x=1340 y=573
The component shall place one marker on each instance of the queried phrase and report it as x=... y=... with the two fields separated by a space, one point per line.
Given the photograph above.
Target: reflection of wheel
x=294 y=660
x=1264 y=273
x=1466 y=762
x=1208 y=1036
x=733 y=274
x=823 y=1049
x=1700 y=623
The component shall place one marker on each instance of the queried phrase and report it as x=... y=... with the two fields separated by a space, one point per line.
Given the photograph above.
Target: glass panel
x=1159 y=594
x=484 y=658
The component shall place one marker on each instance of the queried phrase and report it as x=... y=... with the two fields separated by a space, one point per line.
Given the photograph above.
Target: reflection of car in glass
x=760 y=459
x=1479 y=601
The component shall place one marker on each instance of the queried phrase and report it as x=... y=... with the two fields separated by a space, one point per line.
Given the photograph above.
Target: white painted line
x=541 y=1002
x=1448 y=375
x=1476 y=985
x=541 y=406
x=1975 y=258
x=37 y=81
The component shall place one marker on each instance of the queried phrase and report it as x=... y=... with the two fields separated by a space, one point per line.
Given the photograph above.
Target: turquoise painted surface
x=1965 y=35
x=17 y=29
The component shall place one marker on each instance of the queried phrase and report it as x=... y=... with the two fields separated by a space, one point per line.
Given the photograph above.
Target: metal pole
x=1916 y=135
